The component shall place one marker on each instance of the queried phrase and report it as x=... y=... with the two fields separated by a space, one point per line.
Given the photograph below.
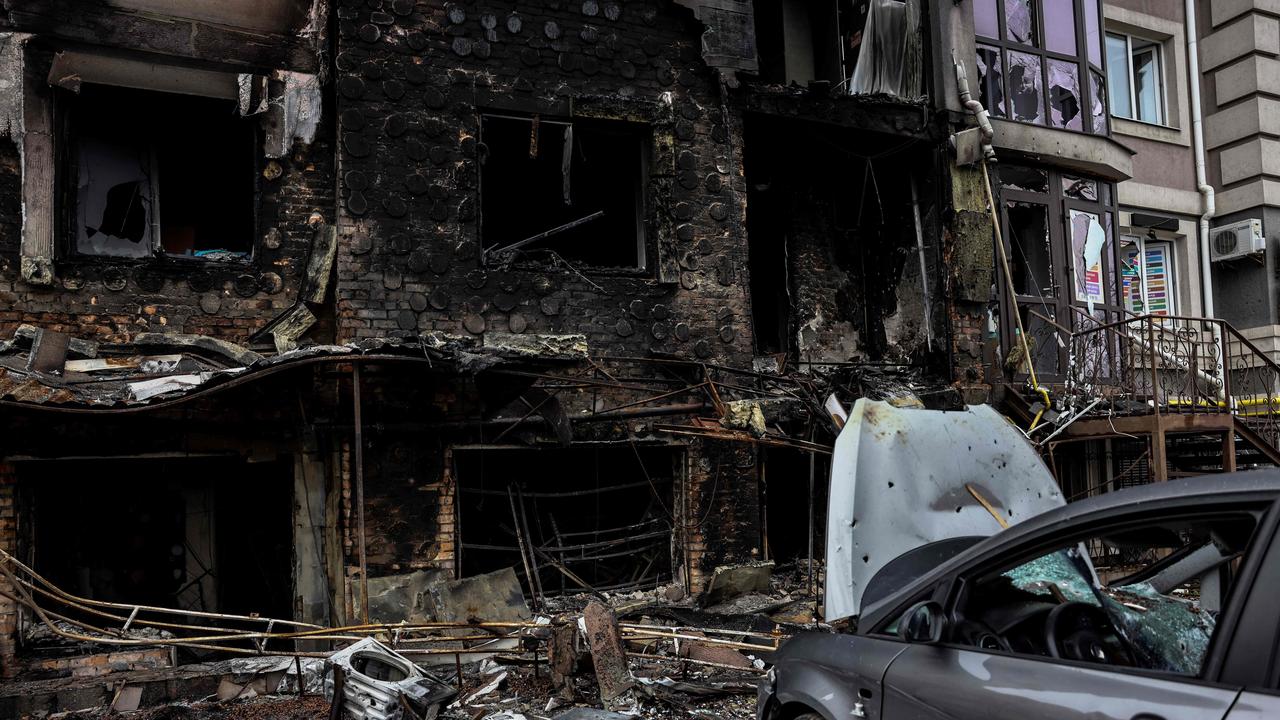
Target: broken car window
x=1144 y=597
x=159 y=173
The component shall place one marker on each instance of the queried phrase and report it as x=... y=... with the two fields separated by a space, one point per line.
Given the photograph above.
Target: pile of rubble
x=651 y=654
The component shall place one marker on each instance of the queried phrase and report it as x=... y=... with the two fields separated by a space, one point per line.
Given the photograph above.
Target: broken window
x=1053 y=72
x=148 y=173
x=599 y=516
x=1145 y=595
x=574 y=189
x=991 y=80
x=1032 y=259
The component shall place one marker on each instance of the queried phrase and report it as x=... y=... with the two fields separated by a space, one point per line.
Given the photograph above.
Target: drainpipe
x=1202 y=184
x=974 y=106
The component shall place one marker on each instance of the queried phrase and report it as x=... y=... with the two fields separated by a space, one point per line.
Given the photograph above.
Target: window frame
x=66 y=196
x=1084 y=66
x=1063 y=268
x=646 y=253
x=1156 y=49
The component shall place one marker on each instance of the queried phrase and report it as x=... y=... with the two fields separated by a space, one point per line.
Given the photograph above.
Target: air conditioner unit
x=1236 y=240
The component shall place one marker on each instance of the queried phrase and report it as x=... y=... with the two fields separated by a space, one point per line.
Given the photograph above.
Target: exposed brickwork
x=410 y=90
x=113 y=299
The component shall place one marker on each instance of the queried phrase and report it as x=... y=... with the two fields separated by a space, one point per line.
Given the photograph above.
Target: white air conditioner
x=1236 y=240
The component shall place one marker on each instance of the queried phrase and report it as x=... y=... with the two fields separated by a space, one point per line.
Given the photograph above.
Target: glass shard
x=991 y=80
x=1099 y=113
x=1019 y=177
x=1064 y=95
x=1020 y=22
x=1079 y=188
x=1025 y=90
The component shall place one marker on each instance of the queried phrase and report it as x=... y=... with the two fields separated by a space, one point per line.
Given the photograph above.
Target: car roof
x=1258 y=485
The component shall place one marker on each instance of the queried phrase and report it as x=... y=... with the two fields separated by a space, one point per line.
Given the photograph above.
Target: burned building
x=304 y=301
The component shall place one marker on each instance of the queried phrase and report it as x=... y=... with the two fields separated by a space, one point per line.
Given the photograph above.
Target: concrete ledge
x=1090 y=154
x=1255 y=74
x=1251 y=117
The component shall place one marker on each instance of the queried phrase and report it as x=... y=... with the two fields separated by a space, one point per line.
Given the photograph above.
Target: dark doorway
x=788 y=503
x=211 y=534
x=603 y=513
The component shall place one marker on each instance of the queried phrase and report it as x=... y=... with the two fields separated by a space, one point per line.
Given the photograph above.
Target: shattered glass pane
x=1030 y=255
x=1092 y=32
x=1020 y=22
x=1019 y=177
x=985 y=19
x=1172 y=633
x=991 y=80
x=1079 y=188
x=1089 y=241
x=1064 y=95
x=1099 y=104
x=1025 y=92
x=1060 y=26
x=113 y=202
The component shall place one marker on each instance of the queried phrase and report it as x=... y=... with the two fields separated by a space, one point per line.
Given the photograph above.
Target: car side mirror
x=922 y=623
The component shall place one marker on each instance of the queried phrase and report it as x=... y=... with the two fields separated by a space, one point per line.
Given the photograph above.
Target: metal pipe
x=359 y=473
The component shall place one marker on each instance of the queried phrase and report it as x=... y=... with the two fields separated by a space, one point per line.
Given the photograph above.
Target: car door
x=1005 y=676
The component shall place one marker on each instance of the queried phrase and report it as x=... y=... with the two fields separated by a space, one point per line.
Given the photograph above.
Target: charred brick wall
x=413 y=80
x=112 y=299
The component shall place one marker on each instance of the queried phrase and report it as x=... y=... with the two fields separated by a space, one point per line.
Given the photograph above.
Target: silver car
x=1153 y=603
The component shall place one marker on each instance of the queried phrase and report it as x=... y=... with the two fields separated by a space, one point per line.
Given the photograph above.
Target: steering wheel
x=1080 y=631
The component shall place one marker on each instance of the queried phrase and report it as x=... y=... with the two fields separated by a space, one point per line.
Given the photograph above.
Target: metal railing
x=1173 y=365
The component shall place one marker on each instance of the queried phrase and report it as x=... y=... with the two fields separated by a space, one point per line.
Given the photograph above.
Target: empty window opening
x=572 y=188
x=602 y=513
x=205 y=534
x=831 y=237
x=149 y=173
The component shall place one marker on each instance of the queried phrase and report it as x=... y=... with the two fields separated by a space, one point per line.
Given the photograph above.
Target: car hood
x=902 y=478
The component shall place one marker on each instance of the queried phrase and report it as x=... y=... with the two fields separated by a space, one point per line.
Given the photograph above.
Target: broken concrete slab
x=613 y=675
x=731 y=581
x=404 y=598
x=494 y=596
